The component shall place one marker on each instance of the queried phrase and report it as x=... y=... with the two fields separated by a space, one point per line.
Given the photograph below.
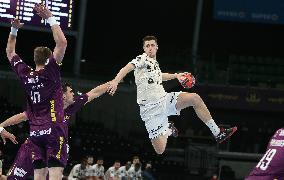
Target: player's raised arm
x=11 y=44
x=121 y=74
x=97 y=91
x=58 y=35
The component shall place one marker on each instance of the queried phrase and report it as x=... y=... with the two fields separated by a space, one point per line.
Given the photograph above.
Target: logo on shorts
x=171 y=101
x=154 y=131
x=19 y=172
x=40 y=132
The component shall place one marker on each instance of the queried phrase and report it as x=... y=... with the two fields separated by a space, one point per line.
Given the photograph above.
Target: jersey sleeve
x=79 y=102
x=139 y=61
x=18 y=66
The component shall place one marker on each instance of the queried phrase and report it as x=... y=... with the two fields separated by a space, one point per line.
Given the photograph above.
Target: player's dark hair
x=149 y=38
x=65 y=85
x=135 y=157
x=87 y=156
x=41 y=54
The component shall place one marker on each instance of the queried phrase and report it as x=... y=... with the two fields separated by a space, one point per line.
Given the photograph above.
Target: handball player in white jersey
x=156 y=104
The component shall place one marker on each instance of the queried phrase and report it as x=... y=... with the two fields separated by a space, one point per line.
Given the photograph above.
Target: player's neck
x=39 y=68
x=154 y=57
x=65 y=105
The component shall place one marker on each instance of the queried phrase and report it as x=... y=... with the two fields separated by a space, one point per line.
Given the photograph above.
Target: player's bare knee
x=196 y=99
x=160 y=150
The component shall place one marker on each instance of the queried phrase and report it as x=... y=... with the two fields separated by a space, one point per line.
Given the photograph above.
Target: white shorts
x=155 y=115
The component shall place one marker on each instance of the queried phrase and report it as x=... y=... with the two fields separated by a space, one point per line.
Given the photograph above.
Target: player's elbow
x=23 y=116
x=10 y=53
x=63 y=43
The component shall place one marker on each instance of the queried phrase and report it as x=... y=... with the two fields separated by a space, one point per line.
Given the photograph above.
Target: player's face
x=150 y=48
x=117 y=165
x=69 y=96
x=90 y=160
x=135 y=161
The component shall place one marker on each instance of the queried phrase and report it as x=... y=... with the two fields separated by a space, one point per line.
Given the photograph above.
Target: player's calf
x=159 y=143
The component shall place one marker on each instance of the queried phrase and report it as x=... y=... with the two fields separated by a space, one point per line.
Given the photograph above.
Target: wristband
x=14 y=31
x=1 y=129
x=52 y=21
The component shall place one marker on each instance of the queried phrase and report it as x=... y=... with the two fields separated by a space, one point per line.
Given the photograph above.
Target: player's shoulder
x=279 y=133
x=131 y=169
x=77 y=166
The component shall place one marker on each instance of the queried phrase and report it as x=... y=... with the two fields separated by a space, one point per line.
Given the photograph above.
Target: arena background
x=238 y=63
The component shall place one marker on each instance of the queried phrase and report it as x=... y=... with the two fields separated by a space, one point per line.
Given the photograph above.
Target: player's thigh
x=40 y=174
x=55 y=172
x=3 y=177
x=185 y=100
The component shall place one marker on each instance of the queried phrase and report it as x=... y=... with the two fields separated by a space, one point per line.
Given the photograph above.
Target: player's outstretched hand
x=42 y=11
x=179 y=76
x=6 y=135
x=112 y=87
x=16 y=23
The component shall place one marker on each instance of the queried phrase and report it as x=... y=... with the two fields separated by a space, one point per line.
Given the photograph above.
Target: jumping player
x=156 y=105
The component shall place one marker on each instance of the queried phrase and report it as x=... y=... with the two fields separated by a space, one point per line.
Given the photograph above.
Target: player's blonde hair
x=41 y=54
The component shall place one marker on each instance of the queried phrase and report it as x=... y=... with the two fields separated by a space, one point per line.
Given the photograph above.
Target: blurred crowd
x=131 y=170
